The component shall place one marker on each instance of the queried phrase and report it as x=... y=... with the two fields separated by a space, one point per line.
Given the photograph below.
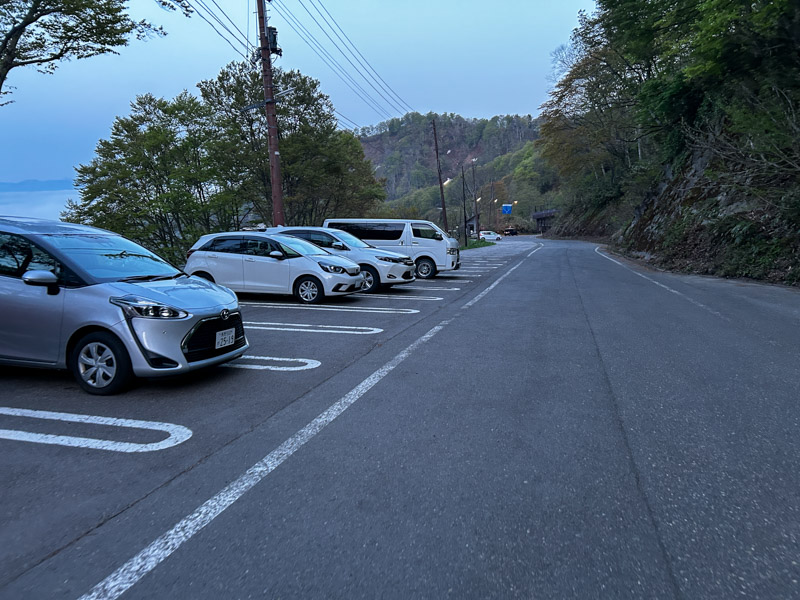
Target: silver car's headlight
x=134 y=306
x=390 y=259
x=330 y=268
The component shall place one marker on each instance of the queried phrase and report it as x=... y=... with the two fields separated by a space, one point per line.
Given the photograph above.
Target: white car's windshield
x=112 y=258
x=351 y=240
x=302 y=246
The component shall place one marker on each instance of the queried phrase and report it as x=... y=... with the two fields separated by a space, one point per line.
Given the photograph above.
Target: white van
x=431 y=248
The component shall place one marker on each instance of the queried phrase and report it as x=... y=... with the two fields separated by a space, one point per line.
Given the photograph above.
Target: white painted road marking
x=494 y=285
x=348 y=329
x=177 y=434
x=666 y=287
x=431 y=289
x=328 y=307
x=304 y=363
x=127 y=575
x=402 y=297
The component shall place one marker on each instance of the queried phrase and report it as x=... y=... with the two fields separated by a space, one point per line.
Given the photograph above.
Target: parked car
x=273 y=264
x=379 y=267
x=490 y=236
x=509 y=231
x=105 y=308
x=431 y=249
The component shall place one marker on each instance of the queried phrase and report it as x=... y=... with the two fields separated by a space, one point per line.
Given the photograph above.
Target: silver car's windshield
x=112 y=258
x=351 y=240
x=302 y=246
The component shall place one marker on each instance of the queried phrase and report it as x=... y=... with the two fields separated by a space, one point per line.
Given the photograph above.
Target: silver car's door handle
x=415 y=243
x=212 y=256
x=248 y=259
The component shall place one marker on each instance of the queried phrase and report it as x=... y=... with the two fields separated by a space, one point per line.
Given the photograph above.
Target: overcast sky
x=477 y=59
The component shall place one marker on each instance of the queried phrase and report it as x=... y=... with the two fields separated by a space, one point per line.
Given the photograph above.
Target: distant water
x=46 y=205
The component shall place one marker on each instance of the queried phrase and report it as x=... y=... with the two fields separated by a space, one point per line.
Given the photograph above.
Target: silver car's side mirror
x=438 y=236
x=276 y=254
x=338 y=246
x=42 y=278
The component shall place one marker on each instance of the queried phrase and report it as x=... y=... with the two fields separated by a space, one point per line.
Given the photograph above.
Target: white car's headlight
x=330 y=268
x=134 y=306
x=390 y=259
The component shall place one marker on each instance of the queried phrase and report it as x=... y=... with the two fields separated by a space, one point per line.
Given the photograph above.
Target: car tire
x=204 y=275
x=309 y=290
x=100 y=364
x=426 y=268
x=372 y=281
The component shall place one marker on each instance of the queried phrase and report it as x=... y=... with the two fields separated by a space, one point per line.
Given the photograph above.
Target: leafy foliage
x=44 y=32
x=176 y=169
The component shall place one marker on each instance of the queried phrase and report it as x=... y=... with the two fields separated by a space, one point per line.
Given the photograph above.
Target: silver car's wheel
x=308 y=290
x=100 y=363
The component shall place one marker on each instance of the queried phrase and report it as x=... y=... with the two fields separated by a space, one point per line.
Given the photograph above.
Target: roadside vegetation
x=674 y=128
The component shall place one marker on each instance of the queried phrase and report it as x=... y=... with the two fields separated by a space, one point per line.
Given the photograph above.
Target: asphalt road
x=548 y=422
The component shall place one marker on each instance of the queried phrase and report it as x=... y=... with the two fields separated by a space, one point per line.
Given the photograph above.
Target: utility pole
x=464 y=204
x=269 y=46
x=475 y=197
x=439 y=169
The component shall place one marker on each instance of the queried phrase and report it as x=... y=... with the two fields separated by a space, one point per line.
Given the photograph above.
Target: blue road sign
x=506 y=209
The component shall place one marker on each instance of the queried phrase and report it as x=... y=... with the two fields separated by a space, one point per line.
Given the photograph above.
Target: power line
x=347 y=58
x=353 y=123
x=217 y=31
x=329 y=60
x=385 y=85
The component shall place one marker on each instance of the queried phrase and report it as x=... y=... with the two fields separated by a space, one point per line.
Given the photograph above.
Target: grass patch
x=477 y=244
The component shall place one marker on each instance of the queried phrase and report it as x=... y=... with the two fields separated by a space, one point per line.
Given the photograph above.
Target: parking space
x=57 y=493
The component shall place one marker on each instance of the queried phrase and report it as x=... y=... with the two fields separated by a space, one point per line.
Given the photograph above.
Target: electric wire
x=326 y=58
x=390 y=103
x=353 y=123
x=330 y=61
x=217 y=31
x=386 y=87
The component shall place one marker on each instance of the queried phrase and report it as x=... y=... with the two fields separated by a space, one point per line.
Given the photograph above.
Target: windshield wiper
x=151 y=277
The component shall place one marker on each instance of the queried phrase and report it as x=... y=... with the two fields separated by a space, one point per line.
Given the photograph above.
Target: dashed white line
x=177 y=434
x=432 y=289
x=308 y=328
x=150 y=557
x=666 y=287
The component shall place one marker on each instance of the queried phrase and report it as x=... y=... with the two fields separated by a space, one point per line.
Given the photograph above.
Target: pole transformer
x=268 y=48
x=439 y=169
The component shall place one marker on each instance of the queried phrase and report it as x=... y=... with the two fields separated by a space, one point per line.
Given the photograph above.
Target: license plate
x=226 y=337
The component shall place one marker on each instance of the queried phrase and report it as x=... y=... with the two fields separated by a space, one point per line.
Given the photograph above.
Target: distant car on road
x=251 y=261
x=490 y=236
x=509 y=231
x=105 y=308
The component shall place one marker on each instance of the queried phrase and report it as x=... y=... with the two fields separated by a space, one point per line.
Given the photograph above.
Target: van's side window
x=373 y=231
x=423 y=231
x=18 y=255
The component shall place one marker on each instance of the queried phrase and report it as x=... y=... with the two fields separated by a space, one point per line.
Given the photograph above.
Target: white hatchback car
x=490 y=236
x=380 y=267
x=250 y=261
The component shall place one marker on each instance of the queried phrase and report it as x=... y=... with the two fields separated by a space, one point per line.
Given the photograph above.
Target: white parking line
x=401 y=297
x=431 y=289
x=177 y=434
x=351 y=330
x=160 y=549
x=305 y=363
x=328 y=307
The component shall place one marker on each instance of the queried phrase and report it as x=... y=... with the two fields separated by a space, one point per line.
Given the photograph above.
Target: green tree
x=42 y=33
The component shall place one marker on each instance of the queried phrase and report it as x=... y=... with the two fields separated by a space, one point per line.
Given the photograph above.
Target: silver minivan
x=379 y=267
x=104 y=307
